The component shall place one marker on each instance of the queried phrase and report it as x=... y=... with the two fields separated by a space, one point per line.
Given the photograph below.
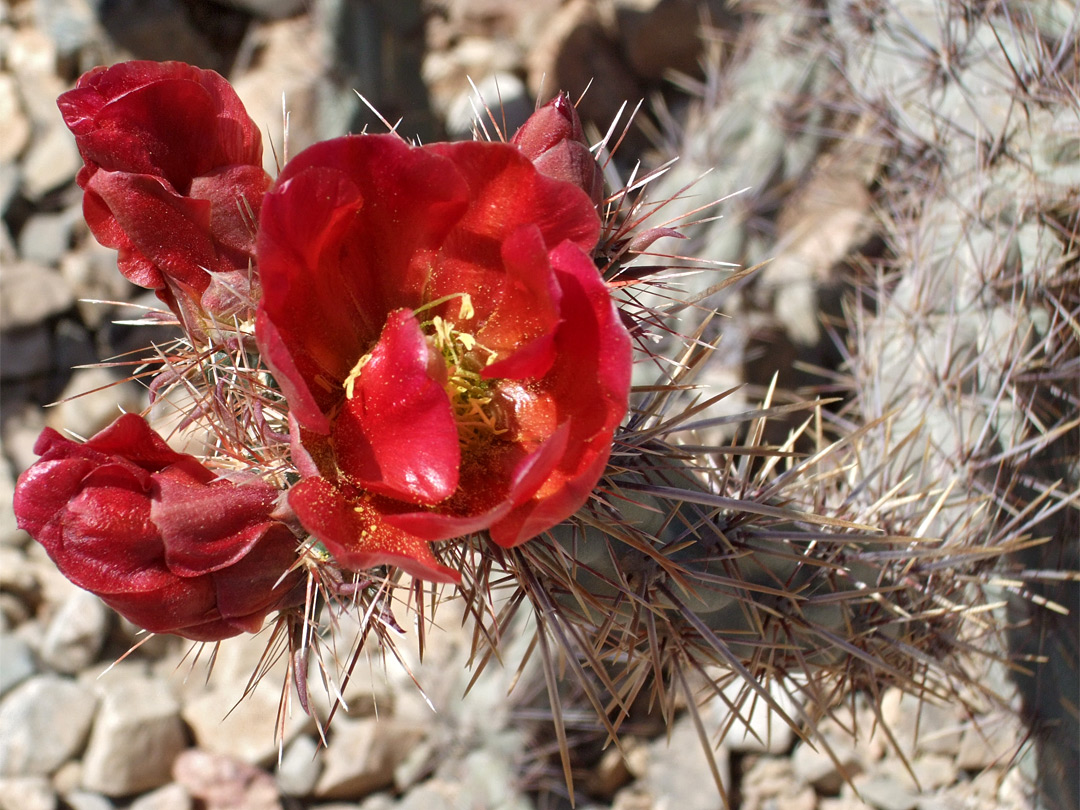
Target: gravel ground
x=159 y=730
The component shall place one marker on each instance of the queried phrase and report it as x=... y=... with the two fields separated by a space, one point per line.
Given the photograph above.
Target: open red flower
x=173 y=179
x=152 y=532
x=451 y=356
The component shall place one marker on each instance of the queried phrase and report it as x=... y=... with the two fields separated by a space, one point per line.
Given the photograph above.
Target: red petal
x=564 y=496
x=507 y=192
x=251 y=587
x=590 y=381
x=396 y=435
x=553 y=123
x=131 y=439
x=305 y=458
x=162 y=118
x=171 y=606
x=354 y=532
x=304 y=406
x=522 y=327
x=206 y=527
x=135 y=211
x=99 y=536
x=554 y=141
x=493 y=480
x=235 y=195
x=572 y=162
x=347 y=235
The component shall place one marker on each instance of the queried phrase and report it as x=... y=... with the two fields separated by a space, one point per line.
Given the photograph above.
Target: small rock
x=433 y=795
x=814 y=766
x=758 y=730
x=93 y=278
x=362 y=756
x=609 y=774
x=85 y=800
x=770 y=783
x=13 y=612
x=17 y=575
x=935 y=771
x=70 y=24
x=654 y=39
x=846 y=803
x=224 y=783
x=45 y=238
x=447 y=72
x=300 y=767
x=940 y=731
x=10 y=180
x=679 y=770
x=169 y=797
x=10 y=534
x=986 y=744
x=14 y=126
x=27 y=353
x=93 y=399
x=30 y=53
x=68 y=777
x=55 y=588
x=919 y=725
x=51 y=161
x=284 y=70
x=26 y=793
x=243 y=727
x=16 y=662
x=137 y=735
x=30 y=293
x=885 y=792
x=488 y=775
x=45 y=721
x=633 y=798
x=76 y=633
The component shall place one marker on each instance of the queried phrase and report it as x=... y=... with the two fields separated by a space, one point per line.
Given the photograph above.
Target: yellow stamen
x=465 y=312
x=350 y=381
x=467 y=389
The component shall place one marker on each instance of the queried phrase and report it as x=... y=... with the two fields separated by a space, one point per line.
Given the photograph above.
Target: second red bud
x=554 y=141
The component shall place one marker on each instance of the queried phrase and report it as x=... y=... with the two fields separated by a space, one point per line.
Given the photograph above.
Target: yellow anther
x=350 y=381
x=466 y=311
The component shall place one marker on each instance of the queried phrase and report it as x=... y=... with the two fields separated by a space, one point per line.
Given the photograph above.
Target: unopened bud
x=554 y=141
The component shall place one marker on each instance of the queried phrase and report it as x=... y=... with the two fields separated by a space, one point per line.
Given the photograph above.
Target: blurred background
x=890 y=160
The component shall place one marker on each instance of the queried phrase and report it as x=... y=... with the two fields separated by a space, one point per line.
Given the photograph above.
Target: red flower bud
x=554 y=141
x=173 y=180
x=155 y=535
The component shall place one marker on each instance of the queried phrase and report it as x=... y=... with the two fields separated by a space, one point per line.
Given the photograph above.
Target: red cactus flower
x=173 y=179
x=152 y=532
x=552 y=138
x=451 y=357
